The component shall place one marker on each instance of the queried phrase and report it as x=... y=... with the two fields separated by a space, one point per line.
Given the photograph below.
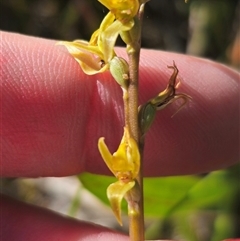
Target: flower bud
x=146 y=116
x=120 y=71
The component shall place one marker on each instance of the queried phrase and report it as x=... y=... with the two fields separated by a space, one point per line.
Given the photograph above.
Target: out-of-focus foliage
x=188 y=204
x=208 y=28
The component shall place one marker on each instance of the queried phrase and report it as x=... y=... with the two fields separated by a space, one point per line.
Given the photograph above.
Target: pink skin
x=53 y=115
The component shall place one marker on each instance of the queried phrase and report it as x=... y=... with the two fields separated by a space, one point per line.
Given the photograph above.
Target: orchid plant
x=96 y=56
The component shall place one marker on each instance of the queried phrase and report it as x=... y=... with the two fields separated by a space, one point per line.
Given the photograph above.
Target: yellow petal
x=133 y=157
x=81 y=46
x=105 y=153
x=94 y=38
x=125 y=162
x=89 y=57
x=109 y=37
x=107 y=21
x=124 y=10
x=127 y=157
x=90 y=70
x=115 y=193
x=105 y=37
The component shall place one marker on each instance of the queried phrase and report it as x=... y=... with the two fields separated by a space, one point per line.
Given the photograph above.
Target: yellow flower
x=124 y=10
x=124 y=164
x=94 y=56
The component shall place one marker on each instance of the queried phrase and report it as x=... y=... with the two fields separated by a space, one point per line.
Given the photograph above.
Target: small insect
x=102 y=63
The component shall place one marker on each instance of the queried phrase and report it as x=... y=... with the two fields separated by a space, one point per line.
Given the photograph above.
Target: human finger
x=53 y=114
x=27 y=222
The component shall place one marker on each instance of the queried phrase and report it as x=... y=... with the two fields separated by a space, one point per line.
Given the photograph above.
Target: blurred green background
x=191 y=208
x=208 y=28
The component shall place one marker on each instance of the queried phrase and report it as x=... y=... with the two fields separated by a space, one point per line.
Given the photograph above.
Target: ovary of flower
x=94 y=56
x=124 y=10
x=124 y=164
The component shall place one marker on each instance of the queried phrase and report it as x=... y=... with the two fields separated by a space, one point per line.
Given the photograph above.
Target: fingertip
x=37 y=224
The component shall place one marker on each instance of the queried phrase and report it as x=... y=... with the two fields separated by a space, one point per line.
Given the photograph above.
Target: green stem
x=136 y=213
x=135 y=205
x=133 y=92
